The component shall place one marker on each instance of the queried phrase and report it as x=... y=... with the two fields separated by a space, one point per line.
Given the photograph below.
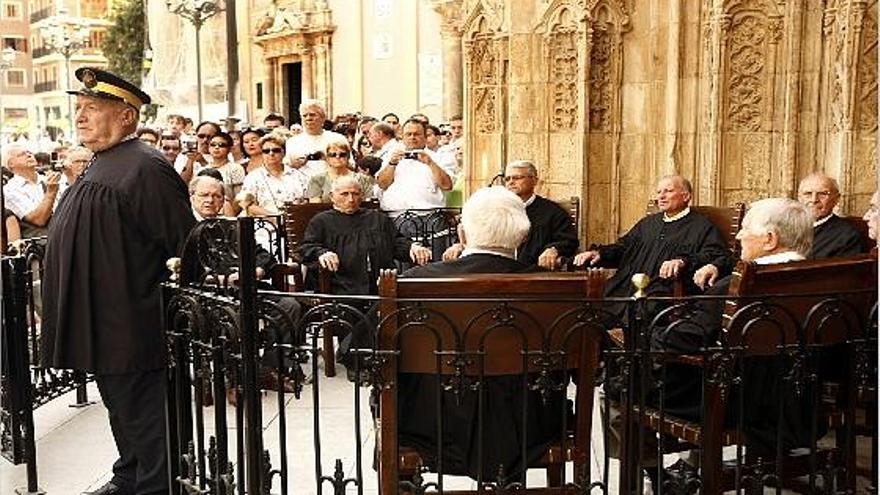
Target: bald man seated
x=832 y=235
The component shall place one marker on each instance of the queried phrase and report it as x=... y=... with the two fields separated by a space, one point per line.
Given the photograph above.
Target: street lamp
x=7 y=57
x=196 y=12
x=66 y=35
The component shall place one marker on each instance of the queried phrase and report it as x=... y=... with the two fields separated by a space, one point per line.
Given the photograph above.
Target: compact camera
x=315 y=156
x=411 y=155
x=188 y=145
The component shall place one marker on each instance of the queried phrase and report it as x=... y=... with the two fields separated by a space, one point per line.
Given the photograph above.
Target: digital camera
x=315 y=156
x=411 y=155
x=188 y=145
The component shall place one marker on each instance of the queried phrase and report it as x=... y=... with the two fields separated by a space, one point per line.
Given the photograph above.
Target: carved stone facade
x=742 y=96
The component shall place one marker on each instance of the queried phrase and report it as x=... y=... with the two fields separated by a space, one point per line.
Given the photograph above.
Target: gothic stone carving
x=600 y=81
x=867 y=73
x=747 y=74
x=564 y=72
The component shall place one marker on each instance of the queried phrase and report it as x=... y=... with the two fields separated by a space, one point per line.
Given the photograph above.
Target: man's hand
x=329 y=261
x=548 y=258
x=453 y=252
x=195 y=156
x=706 y=276
x=419 y=254
x=297 y=161
x=582 y=258
x=52 y=181
x=671 y=268
x=395 y=157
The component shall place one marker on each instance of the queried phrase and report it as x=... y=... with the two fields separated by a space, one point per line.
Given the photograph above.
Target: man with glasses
x=190 y=162
x=30 y=196
x=305 y=151
x=170 y=147
x=551 y=237
x=832 y=235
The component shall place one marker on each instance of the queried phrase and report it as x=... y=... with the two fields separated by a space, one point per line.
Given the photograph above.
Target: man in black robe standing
x=552 y=235
x=114 y=230
x=832 y=235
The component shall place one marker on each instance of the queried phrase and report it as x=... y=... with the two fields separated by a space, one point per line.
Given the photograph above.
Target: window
x=260 y=95
x=15 y=78
x=17 y=44
x=12 y=10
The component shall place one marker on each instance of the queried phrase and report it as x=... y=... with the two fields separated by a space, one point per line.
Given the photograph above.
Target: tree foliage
x=124 y=44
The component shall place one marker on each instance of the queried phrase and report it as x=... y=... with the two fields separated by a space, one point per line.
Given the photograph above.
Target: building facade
x=16 y=85
x=744 y=97
x=79 y=28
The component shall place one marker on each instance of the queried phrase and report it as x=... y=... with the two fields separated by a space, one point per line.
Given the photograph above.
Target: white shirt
x=22 y=196
x=413 y=186
x=272 y=192
x=387 y=149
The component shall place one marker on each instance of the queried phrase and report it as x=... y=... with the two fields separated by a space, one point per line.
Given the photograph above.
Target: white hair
x=532 y=170
x=494 y=217
x=788 y=219
x=11 y=149
x=347 y=180
x=194 y=183
x=312 y=103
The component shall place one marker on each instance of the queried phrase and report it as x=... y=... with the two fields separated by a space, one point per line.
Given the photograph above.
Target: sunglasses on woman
x=269 y=151
x=338 y=154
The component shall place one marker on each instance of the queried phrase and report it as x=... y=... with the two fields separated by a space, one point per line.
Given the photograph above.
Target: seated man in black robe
x=493 y=224
x=775 y=230
x=552 y=235
x=665 y=245
x=832 y=235
x=206 y=193
x=354 y=244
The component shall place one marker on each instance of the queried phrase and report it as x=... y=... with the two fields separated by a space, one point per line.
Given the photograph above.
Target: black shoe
x=110 y=488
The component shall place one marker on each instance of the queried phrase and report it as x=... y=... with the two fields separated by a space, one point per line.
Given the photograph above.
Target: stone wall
x=742 y=96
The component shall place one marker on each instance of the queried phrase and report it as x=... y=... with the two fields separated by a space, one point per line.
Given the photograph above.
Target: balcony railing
x=41 y=52
x=43 y=87
x=41 y=14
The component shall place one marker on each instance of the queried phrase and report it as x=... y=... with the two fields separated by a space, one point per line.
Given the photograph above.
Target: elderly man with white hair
x=832 y=235
x=305 y=150
x=24 y=194
x=493 y=225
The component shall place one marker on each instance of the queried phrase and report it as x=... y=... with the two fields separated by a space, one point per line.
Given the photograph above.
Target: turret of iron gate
x=227 y=333
x=24 y=384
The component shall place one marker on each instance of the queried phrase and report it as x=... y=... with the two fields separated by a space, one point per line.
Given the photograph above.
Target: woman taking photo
x=338 y=165
x=233 y=175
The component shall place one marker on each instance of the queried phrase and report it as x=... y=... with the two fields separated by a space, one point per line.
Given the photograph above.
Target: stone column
x=269 y=83
x=308 y=74
x=450 y=33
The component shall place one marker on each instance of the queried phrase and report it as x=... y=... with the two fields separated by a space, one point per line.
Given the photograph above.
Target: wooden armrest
x=279 y=276
x=616 y=336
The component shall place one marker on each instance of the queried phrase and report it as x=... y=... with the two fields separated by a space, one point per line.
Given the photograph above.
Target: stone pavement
x=75 y=449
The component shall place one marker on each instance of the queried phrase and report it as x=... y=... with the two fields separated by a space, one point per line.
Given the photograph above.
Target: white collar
x=678 y=216
x=495 y=251
x=783 y=257
x=530 y=200
x=822 y=220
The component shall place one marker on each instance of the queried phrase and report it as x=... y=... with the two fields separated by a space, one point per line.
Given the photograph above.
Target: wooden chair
x=412 y=310
x=297 y=216
x=573 y=206
x=800 y=323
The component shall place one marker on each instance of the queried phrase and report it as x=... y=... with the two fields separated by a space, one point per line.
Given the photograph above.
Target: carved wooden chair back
x=469 y=327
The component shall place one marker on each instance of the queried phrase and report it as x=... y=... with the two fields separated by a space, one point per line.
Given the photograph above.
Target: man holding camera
x=415 y=177
x=305 y=151
x=28 y=195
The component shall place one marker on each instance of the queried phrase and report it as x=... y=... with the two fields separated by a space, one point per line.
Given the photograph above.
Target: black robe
x=551 y=227
x=502 y=418
x=763 y=390
x=365 y=242
x=652 y=241
x=836 y=237
x=111 y=235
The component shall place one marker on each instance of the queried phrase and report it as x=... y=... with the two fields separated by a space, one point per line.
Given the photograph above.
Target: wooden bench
x=806 y=307
x=469 y=327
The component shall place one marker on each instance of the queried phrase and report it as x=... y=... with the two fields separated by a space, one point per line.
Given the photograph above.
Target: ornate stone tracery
x=867 y=79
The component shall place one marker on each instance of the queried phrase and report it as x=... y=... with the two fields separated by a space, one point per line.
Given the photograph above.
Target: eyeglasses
x=203 y=195
x=509 y=178
x=204 y=136
x=170 y=148
x=269 y=151
x=338 y=154
x=818 y=194
x=219 y=145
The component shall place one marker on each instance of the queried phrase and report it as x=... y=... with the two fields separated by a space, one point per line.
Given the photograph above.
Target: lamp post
x=196 y=12
x=66 y=35
x=7 y=57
